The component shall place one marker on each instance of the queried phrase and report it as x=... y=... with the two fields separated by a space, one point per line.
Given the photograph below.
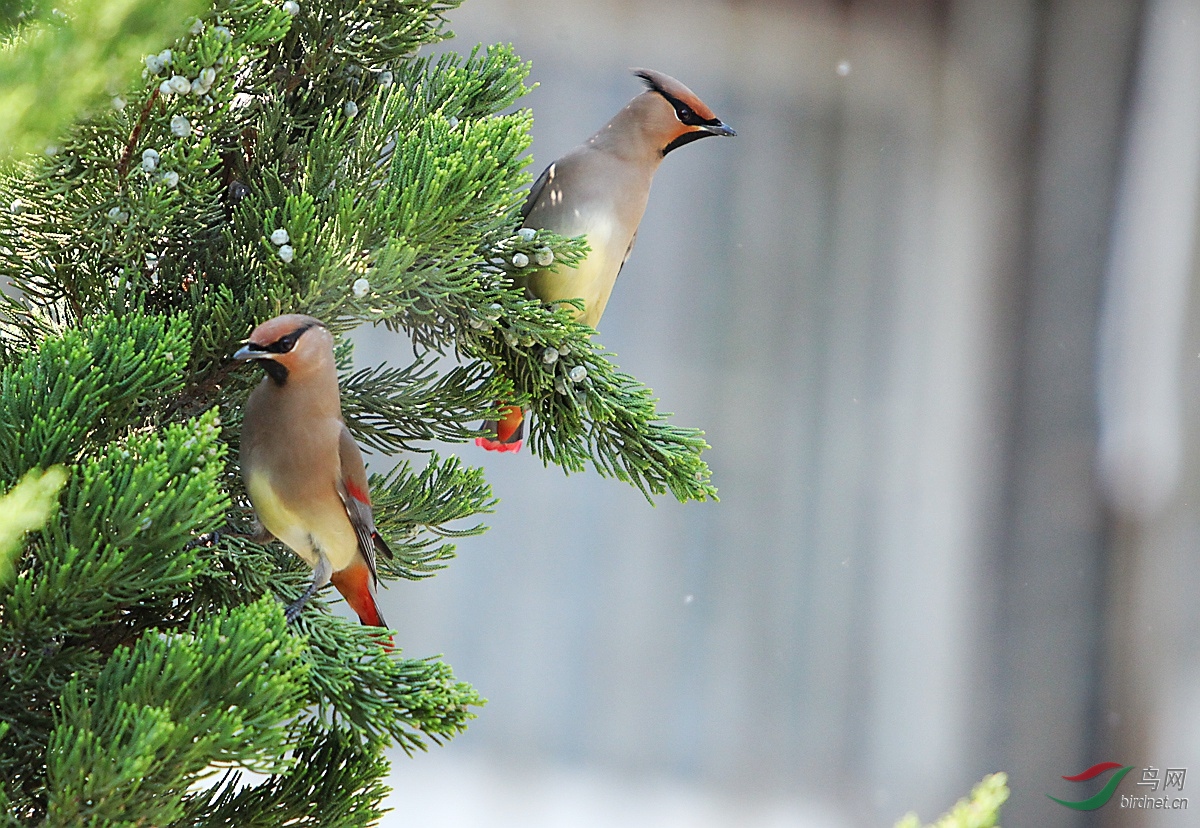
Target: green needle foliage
x=980 y=810
x=138 y=655
x=126 y=738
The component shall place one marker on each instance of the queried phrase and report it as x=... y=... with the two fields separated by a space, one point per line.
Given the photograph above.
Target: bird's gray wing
x=535 y=192
x=356 y=498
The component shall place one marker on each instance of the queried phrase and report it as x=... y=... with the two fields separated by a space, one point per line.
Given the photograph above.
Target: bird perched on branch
x=599 y=190
x=303 y=471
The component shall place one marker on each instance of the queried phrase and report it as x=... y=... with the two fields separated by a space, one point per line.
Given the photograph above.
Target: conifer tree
x=294 y=156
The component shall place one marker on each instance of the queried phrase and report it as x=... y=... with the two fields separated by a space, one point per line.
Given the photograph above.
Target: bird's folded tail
x=509 y=430
x=354 y=582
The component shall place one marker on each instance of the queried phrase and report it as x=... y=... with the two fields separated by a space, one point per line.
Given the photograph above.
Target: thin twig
x=123 y=166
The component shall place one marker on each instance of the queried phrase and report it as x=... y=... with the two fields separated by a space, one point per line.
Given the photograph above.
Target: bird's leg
x=322 y=572
x=260 y=536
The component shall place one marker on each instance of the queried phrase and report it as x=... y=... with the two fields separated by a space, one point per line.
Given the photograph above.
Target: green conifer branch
x=112 y=563
x=332 y=783
x=403 y=700
x=82 y=388
x=979 y=810
x=127 y=745
x=410 y=503
x=395 y=408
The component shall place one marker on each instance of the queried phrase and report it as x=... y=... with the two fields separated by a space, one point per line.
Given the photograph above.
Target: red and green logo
x=1104 y=794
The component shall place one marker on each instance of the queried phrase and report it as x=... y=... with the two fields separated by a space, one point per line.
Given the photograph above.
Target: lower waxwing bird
x=303 y=471
x=600 y=189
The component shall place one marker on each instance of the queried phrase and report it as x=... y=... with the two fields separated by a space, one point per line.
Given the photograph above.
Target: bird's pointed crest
x=675 y=92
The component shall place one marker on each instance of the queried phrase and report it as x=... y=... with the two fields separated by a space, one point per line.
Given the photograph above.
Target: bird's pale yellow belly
x=327 y=529
x=592 y=281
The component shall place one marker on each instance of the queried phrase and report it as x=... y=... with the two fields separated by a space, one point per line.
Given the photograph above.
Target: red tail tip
x=496 y=445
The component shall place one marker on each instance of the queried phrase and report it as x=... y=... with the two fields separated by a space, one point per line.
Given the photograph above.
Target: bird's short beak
x=246 y=352
x=719 y=129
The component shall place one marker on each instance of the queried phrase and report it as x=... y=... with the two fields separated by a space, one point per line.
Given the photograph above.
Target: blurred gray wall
x=885 y=302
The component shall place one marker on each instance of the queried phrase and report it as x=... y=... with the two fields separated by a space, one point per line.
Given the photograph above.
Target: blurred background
x=933 y=308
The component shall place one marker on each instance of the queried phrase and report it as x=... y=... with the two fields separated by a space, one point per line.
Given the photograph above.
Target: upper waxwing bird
x=599 y=190
x=303 y=471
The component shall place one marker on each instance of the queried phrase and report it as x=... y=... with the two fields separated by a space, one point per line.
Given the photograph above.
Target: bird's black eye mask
x=687 y=115
x=281 y=345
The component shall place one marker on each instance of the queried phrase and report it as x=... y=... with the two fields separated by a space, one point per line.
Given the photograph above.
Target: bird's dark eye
x=687 y=115
x=286 y=343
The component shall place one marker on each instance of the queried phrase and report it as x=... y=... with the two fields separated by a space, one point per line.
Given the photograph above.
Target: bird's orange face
x=288 y=345
x=689 y=118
